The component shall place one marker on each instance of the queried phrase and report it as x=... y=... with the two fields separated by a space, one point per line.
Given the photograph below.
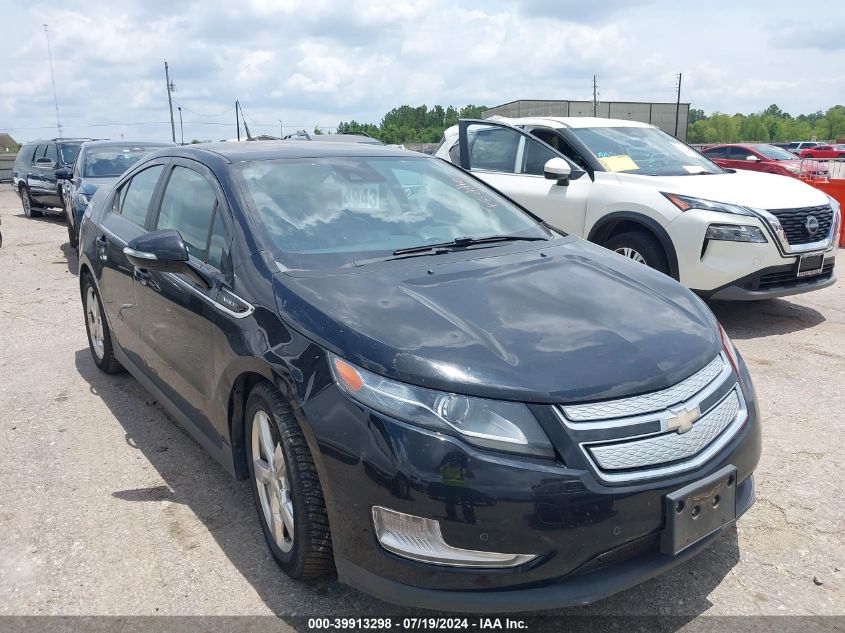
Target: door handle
x=141 y=275
x=102 y=241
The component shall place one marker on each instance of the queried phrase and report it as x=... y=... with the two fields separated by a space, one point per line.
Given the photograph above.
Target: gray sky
x=318 y=62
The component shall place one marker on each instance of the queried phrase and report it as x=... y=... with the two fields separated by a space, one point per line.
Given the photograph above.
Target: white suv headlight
x=685 y=203
x=495 y=424
x=735 y=233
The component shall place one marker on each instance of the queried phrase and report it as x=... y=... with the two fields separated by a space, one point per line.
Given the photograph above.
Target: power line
x=227 y=111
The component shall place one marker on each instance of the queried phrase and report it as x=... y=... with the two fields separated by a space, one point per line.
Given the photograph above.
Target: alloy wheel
x=630 y=253
x=271 y=479
x=94 y=321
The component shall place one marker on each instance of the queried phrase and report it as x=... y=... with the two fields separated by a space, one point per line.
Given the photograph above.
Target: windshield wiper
x=462 y=242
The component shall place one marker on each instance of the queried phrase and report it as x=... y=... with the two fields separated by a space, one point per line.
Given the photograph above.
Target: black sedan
x=448 y=402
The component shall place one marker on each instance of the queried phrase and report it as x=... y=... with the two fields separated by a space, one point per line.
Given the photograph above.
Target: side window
x=39 y=152
x=135 y=196
x=218 y=242
x=739 y=153
x=716 y=152
x=535 y=156
x=188 y=206
x=52 y=153
x=492 y=148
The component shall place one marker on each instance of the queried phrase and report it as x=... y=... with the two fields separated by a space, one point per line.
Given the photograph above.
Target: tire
x=30 y=209
x=808 y=156
x=97 y=328
x=72 y=233
x=642 y=247
x=841 y=156
x=293 y=496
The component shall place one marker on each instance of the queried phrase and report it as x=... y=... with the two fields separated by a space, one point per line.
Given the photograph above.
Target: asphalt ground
x=108 y=508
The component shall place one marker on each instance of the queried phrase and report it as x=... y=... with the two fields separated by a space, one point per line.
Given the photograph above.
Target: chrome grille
x=646 y=403
x=669 y=447
x=794 y=221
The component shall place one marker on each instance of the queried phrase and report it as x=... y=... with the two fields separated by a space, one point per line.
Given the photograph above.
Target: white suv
x=638 y=191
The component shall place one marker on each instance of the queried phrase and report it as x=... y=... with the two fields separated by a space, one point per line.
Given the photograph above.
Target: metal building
x=660 y=114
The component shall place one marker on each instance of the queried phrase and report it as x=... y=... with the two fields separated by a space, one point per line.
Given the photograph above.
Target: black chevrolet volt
x=443 y=400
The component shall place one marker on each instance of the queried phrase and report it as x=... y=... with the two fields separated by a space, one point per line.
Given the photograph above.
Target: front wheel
x=286 y=487
x=99 y=336
x=640 y=247
x=808 y=156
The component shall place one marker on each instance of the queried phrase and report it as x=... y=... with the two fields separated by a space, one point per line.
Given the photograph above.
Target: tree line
x=772 y=125
x=408 y=124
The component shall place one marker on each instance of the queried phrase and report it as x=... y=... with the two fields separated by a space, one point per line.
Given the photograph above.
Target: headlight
x=685 y=203
x=730 y=350
x=496 y=424
x=795 y=169
x=735 y=233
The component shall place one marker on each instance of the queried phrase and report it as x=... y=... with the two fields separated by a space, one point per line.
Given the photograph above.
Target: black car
x=448 y=402
x=98 y=163
x=34 y=173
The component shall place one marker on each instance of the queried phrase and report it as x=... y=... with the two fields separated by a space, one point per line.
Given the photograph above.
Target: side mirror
x=557 y=169
x=64 y=173
x=162 y=251
x=751 y=158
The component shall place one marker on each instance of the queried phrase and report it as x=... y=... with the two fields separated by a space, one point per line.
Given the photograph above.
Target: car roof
x=268 y=150
x=57 y=140
x=573 y=121
x=107 y=143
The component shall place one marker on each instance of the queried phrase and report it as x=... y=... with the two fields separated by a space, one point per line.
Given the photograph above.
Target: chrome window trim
x=567 y=413
x=698 y=460
x=235 y=315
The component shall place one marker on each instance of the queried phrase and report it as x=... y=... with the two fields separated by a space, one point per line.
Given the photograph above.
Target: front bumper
x=592 y=538
x=730 y=268
x=575 y=590
x=773 y=282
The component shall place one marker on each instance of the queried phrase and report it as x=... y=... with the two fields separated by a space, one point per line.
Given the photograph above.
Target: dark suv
x=34 y=173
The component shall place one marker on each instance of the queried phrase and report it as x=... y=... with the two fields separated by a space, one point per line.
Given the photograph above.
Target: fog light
x=420 y=539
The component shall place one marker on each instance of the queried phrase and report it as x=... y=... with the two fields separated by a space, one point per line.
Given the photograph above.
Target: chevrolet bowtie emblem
x=681 y=420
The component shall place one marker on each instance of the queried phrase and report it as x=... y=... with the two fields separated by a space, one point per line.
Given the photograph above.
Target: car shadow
x=72 y=259
x=756 y=319
x=53 y=216
x=190 y=477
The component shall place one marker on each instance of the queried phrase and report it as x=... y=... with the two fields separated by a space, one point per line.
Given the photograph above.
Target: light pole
x=281 y=130
x=181 y=129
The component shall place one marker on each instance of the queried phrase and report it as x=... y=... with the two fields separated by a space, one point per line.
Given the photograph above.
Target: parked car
x=797 y=148
x=98 y=163
x=447 y=401
x=646 y=195
x=34 y=173
x=824 y=151
x=765 y=158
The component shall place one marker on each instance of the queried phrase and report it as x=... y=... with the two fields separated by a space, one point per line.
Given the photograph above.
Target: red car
x=763 y=157
x=824 y=151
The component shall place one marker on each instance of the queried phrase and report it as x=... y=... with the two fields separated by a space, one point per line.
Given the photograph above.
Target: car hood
x=565 y=321
x=747 y=188
x=90 y=185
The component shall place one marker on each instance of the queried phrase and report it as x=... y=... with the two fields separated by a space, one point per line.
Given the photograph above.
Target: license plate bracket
x=810 y=264
x=698 y=509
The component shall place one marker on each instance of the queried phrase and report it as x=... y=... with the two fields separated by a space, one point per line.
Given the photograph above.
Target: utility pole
x=170 y=87
x=595 y=97
x=678 y=106
x=181 y=129
x=281 y=130
x=53 y=80
x=238 y=118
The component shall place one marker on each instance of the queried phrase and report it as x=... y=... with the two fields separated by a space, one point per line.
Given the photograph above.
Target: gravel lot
x=110 y=508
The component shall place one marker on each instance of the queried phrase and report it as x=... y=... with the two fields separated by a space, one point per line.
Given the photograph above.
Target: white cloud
x=317 y=62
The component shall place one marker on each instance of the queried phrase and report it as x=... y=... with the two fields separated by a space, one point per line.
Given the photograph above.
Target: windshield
x=774 y=153
x=110 y=161
x=643 y=150
x=330 y=212
x=68 y=152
